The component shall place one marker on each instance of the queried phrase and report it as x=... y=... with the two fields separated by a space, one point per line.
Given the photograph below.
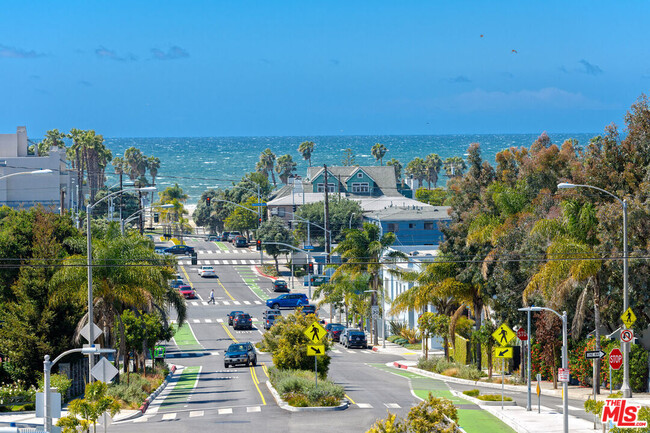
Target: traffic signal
x=194 y=259
x=259 y=245
x=310 y=269
x=207 y=201
x=294 y=208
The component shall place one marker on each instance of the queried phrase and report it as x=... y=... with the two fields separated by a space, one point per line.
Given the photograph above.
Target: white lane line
x=364 y=405
x=208 y=320
x=196 y=321
x=194 y=303
x=236 y=303
x=220 y=320
x=253 y=409
x=169 y=416
x=247 y=302
x=196 y=413
x=226 y=303
x=392 y=405
x=258 y=302
x=227 y=411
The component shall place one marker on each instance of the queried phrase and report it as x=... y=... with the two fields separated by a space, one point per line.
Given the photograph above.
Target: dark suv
x=224 y=236
x=290 y=300
x=232 y=315
x=354 y=338
x=240 y=353
x=242 y=321
x=240 y=242
x=308 y=309
x=280 y=286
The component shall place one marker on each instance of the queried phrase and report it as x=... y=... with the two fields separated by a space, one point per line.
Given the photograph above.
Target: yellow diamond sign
x=628 y=318
x=315 y=349
x=503 y=352
x=315 y=332
x=503 y=335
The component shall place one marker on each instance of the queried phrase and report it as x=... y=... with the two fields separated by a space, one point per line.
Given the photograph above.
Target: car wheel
x=248 y=362
x=225 y=365
x=255 y=362
x=275 y=306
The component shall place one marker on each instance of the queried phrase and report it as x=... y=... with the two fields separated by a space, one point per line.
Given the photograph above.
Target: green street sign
x=159 y=352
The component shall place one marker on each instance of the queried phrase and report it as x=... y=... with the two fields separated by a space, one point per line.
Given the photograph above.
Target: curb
x=284 y=405
x=479 y=402
x=257 y=268
x=147 y=401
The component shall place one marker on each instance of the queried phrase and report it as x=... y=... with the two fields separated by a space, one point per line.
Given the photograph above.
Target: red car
x=187 y=291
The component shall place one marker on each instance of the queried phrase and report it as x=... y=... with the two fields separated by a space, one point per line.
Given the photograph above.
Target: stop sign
x=521 y=334
x=615 y=359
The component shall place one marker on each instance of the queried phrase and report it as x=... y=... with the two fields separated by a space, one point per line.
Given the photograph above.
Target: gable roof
x=384 y=176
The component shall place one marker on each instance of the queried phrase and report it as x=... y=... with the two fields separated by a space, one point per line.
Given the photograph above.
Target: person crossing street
x=211 y=297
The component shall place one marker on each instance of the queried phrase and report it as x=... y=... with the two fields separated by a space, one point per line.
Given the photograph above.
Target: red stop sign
x=615 y=359
x=521 y=334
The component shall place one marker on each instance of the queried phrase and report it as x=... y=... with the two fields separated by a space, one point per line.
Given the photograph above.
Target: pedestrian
x=211 y=296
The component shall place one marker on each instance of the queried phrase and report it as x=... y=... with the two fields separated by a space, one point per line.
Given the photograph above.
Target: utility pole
x=327 y=217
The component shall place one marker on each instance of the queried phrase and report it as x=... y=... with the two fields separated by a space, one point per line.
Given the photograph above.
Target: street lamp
x=45 y=171
x=565 y=360
x=136 y=213
x=625 y=388
x=89 y=259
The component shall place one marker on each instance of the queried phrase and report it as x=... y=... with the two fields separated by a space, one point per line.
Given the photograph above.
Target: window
x=428 y=226
x=321 y=188
x=360 y=187
x=359 y=175
x=281 y=211
x=411 y=225
x=392 y=227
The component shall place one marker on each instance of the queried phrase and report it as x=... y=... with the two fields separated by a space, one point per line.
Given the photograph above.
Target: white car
x=207 y=271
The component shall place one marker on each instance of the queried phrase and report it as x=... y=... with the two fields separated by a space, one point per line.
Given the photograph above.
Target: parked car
x=242 y=321
x=353 y=337
x=334 y=331
x=270 y=312
x=232 y=315
x=270 y=321
x=233 y=235
x=308 y=309
x=207 y=271
x=290 y=300
x=224 y=236
x=241 y=242
x=160 y=250
x=180 y=249
x=214 y=238
x=280 y=286
x=176 y=283
x=240 y=353
x=187 y=291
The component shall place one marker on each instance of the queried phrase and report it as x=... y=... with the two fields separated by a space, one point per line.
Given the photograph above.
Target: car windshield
x=244 y=316
x=337 y=327
x=208 y=268
x=237 y=348
x=234 y=313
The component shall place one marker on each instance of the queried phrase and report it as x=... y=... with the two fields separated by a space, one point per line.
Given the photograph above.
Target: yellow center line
x=224 y=289
x=225 y=328
x=348 y=397
x=187 y=277
x=265 y=370
x=256 y=381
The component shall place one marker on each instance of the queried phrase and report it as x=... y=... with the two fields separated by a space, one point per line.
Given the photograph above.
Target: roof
x=383 y=175
x=410 y=213
x=368 y=204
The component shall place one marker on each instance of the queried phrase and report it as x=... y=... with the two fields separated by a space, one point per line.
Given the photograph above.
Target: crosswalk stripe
x=392 y=405
x=236 y=303
x=196 y=321
x=258 y=302
x=250 y=262
x=220 y=320
x=144 y=418
x=336 y=351
x=364 y=406
x=194 y=303
x=254 y=409
x=226 y=303
x=196 y=413
x=208 y=320
x=169 y=416
x=225 y=411
x=247 y=302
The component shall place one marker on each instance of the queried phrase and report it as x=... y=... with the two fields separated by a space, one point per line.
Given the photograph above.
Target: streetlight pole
x=528 y=403
x=134 y=214
x=626 y=390
x=565 y=361
x=89 y=261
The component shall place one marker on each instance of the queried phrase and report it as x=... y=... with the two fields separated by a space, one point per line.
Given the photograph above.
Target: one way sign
x=594 y=354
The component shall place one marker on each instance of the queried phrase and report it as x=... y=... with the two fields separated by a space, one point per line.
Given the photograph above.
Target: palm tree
x=74 y=154
x=306 y=148
x=454 y=166
x=52 y=138
x=378 y=151
x=266 y=164
x=363 y=251
x=153 y=164
x=136 y=164
x=418 y=169
x=285 y=167
x=433 y=166
x=398 y=168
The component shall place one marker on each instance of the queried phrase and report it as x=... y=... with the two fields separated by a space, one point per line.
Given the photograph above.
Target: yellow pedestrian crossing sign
x=628 y=318
x=503 y=352
x=503 y=335
x=315 y=349
x=315 y=332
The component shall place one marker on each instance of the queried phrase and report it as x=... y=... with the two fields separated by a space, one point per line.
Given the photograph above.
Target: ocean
x=198 y=164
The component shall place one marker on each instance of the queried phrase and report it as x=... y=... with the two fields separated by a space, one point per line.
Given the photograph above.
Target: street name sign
x=594 y=354
x=628 y=318
x=627 y=335
x=259 y=204
x=615 y=359
x=503 y=335
x=503 y=352
x=521 y=334
x=315 y=332
x=315 y=349
x=308 y=247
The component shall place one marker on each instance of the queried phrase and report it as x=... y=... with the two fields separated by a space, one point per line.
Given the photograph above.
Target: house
x=412 y=225
x=369 y=181
x=52 y=189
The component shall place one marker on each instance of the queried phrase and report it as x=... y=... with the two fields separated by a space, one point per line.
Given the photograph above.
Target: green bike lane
x=470 y=416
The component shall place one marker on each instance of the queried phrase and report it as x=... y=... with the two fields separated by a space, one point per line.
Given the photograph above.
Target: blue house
x=416 y=225
x=370 y=181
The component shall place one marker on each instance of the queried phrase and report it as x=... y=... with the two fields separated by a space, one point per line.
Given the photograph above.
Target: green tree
x=378 y=151
x=434 y=197
x=398 y=168
x=243 y=220
x=52 y=138
x=342 y=215
x=418 y=169
x=84 y=413
x=274 y=230
x=454 y=166
x=285 y=167
x=213 y=216
x=267 y=163
x=433 y=165
x=349 y=159
x=306 y=148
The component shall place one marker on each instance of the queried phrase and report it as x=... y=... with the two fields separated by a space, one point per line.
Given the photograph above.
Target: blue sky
x=222 y=68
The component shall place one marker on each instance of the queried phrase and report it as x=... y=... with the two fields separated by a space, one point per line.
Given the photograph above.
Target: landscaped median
x=296 y=390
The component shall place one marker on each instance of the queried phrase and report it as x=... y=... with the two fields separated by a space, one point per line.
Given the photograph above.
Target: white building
x=52 y=190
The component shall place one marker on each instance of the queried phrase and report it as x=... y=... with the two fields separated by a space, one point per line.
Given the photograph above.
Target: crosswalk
x=180 y=416
x=249 y=252
x=205 y=262
x=351 y=351
x=221 y=302
x=217 y=320
x=369 y=406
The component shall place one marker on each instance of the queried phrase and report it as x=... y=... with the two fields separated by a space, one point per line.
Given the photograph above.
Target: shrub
x=396 y=327
x=411 y=335
x=472 y=392
x=493 y=397
x=133 y=393
x=296 y=399
x=452 y=372
x=298 y=388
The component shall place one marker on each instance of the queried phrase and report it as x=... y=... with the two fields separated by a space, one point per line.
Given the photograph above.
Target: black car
x=240 y=353
x=280 y=286
x=232 y=315
x=224 y=236
x=240 y=242
x=242 y=321
x=180 y=249
x=334 y=331
x=355 y=338
x=214 y=238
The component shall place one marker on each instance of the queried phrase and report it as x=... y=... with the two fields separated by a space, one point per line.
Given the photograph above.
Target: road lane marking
x=144 y=418
x=247 y=302
x=225 y=302
x=253 y=409
x=196 y=413
x=208 y=320
x=348 y=397
x=392 y=405
x=224 y=289
x=258 y=302
x=169 y=416
x=256 y=382
x=364 y=406
x=225 y=328
x=227 y=411
x=196 y=321
x=266 y=370
x=220 y=320
x=236 y=303
x=187 y=277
